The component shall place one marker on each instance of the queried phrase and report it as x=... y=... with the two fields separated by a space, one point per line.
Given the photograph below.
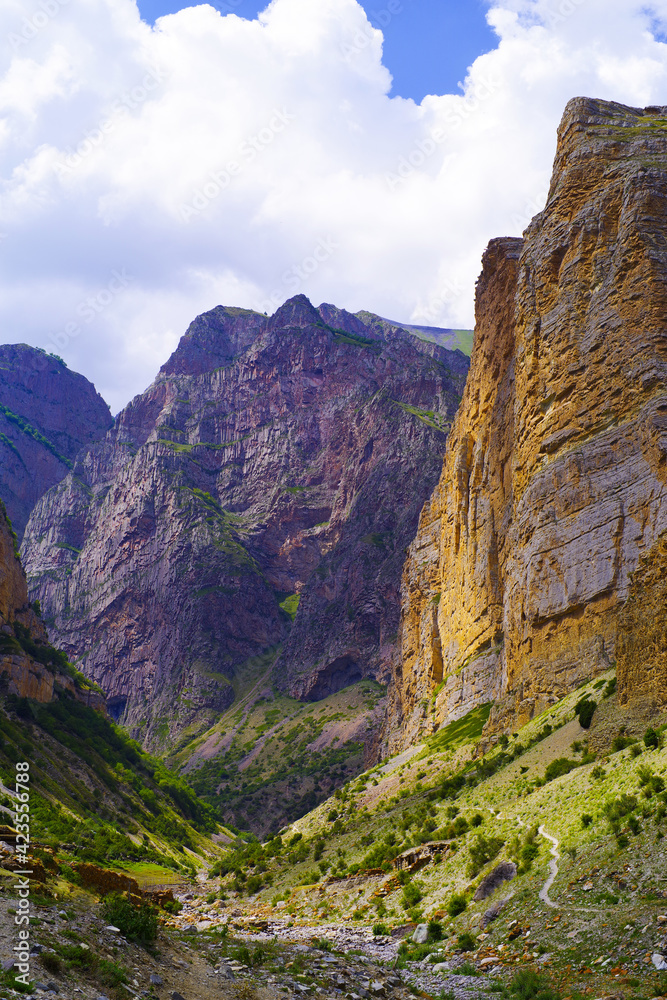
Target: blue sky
x=429 y=44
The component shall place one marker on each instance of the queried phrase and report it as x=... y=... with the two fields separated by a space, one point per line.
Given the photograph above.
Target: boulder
x=504 y=872
x=420 y=935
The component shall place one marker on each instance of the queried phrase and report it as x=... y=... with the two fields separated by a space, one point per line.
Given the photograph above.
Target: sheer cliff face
x=271 y=457
x=554 y=476
x=13 y=587
x=47 y=414
x=19 y=673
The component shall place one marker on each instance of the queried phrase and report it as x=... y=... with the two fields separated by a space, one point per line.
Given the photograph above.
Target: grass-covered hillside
x=270 y=759
x=586 y=802
x=94 y=794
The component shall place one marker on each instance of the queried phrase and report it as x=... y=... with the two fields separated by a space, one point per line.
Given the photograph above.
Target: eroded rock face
x=47 y=414
x=554 y=475
x=20 y=674
x=641 y=648
x=271 y=457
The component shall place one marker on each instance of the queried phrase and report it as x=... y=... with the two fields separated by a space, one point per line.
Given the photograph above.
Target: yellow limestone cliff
x=541 y=557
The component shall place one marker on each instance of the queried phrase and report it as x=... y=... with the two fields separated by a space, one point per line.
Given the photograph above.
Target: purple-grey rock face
x=47 y=414
x=272 y=457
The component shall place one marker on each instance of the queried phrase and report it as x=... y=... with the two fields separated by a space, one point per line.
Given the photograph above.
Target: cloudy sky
x=153 y=168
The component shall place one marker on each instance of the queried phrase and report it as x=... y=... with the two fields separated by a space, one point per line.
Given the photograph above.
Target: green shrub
x=51 y=963
x=172 y=906
x=584 y=710
x=411 y=895
x=111 y=974
x=557 y=768
x=466 y=942
x=434 y=930
x=610 y=688
x=621 y=741
x=380 y=930
x=482 y=850
x=136 y=923
x=529 y=852
x=618 y=808
x=457 y=904
x=652 y=739
x=75 y=955
x=7 y=978
x=254 y=884
x=527 y=985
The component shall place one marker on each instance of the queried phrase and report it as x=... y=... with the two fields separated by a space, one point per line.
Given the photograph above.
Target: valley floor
x=530 y=868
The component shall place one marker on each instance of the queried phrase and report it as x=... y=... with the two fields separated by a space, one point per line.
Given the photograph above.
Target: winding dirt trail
x=553 y=869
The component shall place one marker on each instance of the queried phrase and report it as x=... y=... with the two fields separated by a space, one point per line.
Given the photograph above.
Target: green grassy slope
x=94 y=794
x=598 y=792
x=269 y=759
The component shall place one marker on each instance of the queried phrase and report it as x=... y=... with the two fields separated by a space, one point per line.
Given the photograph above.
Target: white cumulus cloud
x=148 y=174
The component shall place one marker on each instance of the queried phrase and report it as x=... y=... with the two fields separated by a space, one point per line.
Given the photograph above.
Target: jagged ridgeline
x=47 y=414
x=241 y=530
x=95 y=795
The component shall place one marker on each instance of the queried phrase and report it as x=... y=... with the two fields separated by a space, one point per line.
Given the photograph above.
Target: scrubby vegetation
x=109 y=792
x=136 y=922
x=286 y=776
x=470 y=810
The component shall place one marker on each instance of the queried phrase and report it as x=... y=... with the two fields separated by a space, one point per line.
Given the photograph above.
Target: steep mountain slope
x=269 y=758
x=275 y=469
x=94 y=795
x=534 y=862
x=47 y=414
x=29 y=666
x=553 y=486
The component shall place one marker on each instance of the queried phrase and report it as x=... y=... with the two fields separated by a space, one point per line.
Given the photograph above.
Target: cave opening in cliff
x=339 y=674
x=116 y=708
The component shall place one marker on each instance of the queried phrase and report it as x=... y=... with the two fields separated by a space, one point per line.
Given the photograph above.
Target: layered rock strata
x=47 y=414
x=274 y=461
x=21 y=674
x=553 y=484
x=641 y=647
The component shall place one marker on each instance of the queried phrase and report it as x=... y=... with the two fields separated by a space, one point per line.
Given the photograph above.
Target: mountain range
x=331 y=582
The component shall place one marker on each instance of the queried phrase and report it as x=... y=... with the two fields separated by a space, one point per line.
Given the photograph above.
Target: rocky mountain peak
x=296 y=312
x=47 y=414
x=264 y=476
x=213 y=340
